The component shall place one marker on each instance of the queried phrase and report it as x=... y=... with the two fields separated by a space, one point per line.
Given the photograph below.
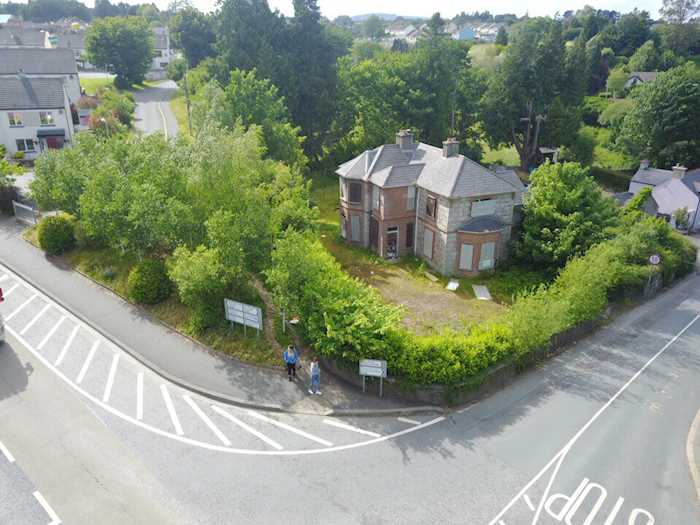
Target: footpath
x=176 y=357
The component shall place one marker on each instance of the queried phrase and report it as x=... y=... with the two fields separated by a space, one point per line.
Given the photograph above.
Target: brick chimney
x=679 y=171
x=404 y=139
x=450 y=148
x=644 y=164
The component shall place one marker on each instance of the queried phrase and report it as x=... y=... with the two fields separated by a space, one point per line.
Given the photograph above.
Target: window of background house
x=486 y=259
x=343 y=226
x=483 y=207
x=25 y=144
x=15 y=119
x=342 y=189
x=46 y=118
x=428 y=243
x=411 y=198
x=375 y=198
x=409 y=235
x=431 y=207
x=355 y=192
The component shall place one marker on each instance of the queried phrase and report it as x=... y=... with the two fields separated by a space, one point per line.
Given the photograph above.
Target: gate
x=25 y=213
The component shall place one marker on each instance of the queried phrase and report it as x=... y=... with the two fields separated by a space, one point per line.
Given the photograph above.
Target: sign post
x=245 y=314
x=373 y=368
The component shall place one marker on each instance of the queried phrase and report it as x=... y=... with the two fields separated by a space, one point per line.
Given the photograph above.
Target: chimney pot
x=450 y=148
x=404 y=138
x=679 y=171
x=644 y=164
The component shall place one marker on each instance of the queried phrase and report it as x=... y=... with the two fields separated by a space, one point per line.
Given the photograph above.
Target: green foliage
x=502 y=37
x=193 y=32
x=662 y=123
x=56 y=234
x=176 y=69
x=122 y=45
x=582 y=148
x=564 y=215
x=201 y=280
x=645 y=58
x=148 y=282
x=249 y=100
x=616 y=81
x=373 y=27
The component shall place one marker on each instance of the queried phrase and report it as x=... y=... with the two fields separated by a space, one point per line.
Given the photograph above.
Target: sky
x=449 y=8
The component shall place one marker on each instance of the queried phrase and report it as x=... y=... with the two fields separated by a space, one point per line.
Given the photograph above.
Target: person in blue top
x=291 y=357
x=315 y=369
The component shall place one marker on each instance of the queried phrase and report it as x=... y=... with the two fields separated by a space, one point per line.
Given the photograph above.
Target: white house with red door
x=35 y=115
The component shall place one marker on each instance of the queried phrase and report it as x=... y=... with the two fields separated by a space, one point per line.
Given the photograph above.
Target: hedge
x=56 y=234
x=346 y=320
x=148 y=282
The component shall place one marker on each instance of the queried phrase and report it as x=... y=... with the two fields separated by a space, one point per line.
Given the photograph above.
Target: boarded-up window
x=411 y=198
x=428 y=243
x=343 y=226
x=355 y=227
x=375 y=198
x=465 y=257
x=355 y=192
x=409 y=235
x=431 y=207
x=487 y=258
x=483 y=207
x=342 y=189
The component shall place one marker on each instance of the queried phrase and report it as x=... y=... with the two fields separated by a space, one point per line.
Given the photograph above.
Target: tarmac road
x=153 y=112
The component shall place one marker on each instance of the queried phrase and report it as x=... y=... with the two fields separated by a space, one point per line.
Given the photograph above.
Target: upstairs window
x=46 y=118
x=411 y=198
x=483 y=207
x=431 y=207
x=15 y=119
x=409 y=235
x=375 y=198
x=356 y=192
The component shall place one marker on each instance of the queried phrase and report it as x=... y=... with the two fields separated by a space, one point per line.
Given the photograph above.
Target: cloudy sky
x=449 y=8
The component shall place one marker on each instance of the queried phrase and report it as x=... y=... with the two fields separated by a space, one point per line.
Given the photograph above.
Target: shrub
x=57 y=234
x=148 y=282
x=201 y=280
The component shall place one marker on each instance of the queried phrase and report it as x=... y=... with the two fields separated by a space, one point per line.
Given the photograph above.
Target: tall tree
x=124 y=46
x=502 y=37
x=373 y=27
x=681 y=33
x=680 y=11
x=517 y=101
x=646 y=58
x=193 y=32
x=662 y=123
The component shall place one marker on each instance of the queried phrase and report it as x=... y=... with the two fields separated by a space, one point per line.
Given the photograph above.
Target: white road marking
x=6 y=452
x=35 y=319
x=139 y=396
x=409 y=421
x=55 y=520
x=247 y=427
x=290 y=429
x=51 y=332
x=66 y=346
x=208 y=422
x=87 y=362
x=3 y=277
x=162 y=116
x=501 y=522
x=171 y=410
x=558 y=459
x=528 y=502
x=20 y=308
x=12 y=289
x=345 y=426
x=182 y=439
x=110 y=378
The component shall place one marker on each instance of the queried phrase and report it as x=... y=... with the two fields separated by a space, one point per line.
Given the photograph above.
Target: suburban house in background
x=640 y=77
x=35 y=115
x=671 y=190
x=411 y=198
x=19 y=36
x=42 y=63
x=163 y=54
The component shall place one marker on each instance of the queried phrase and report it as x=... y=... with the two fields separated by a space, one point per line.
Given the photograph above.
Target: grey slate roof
x=644 y=76
x=424 y=165
x=37 y=61
x=652 y=176
x=31 y=93
x=623 y=197
x=483 y=224
x=18 y=36
x=674 y=195
x=692 y=180
x=74 y=41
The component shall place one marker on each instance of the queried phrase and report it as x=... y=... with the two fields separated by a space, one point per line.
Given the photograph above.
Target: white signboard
x=373 y=368
x=244 y=314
